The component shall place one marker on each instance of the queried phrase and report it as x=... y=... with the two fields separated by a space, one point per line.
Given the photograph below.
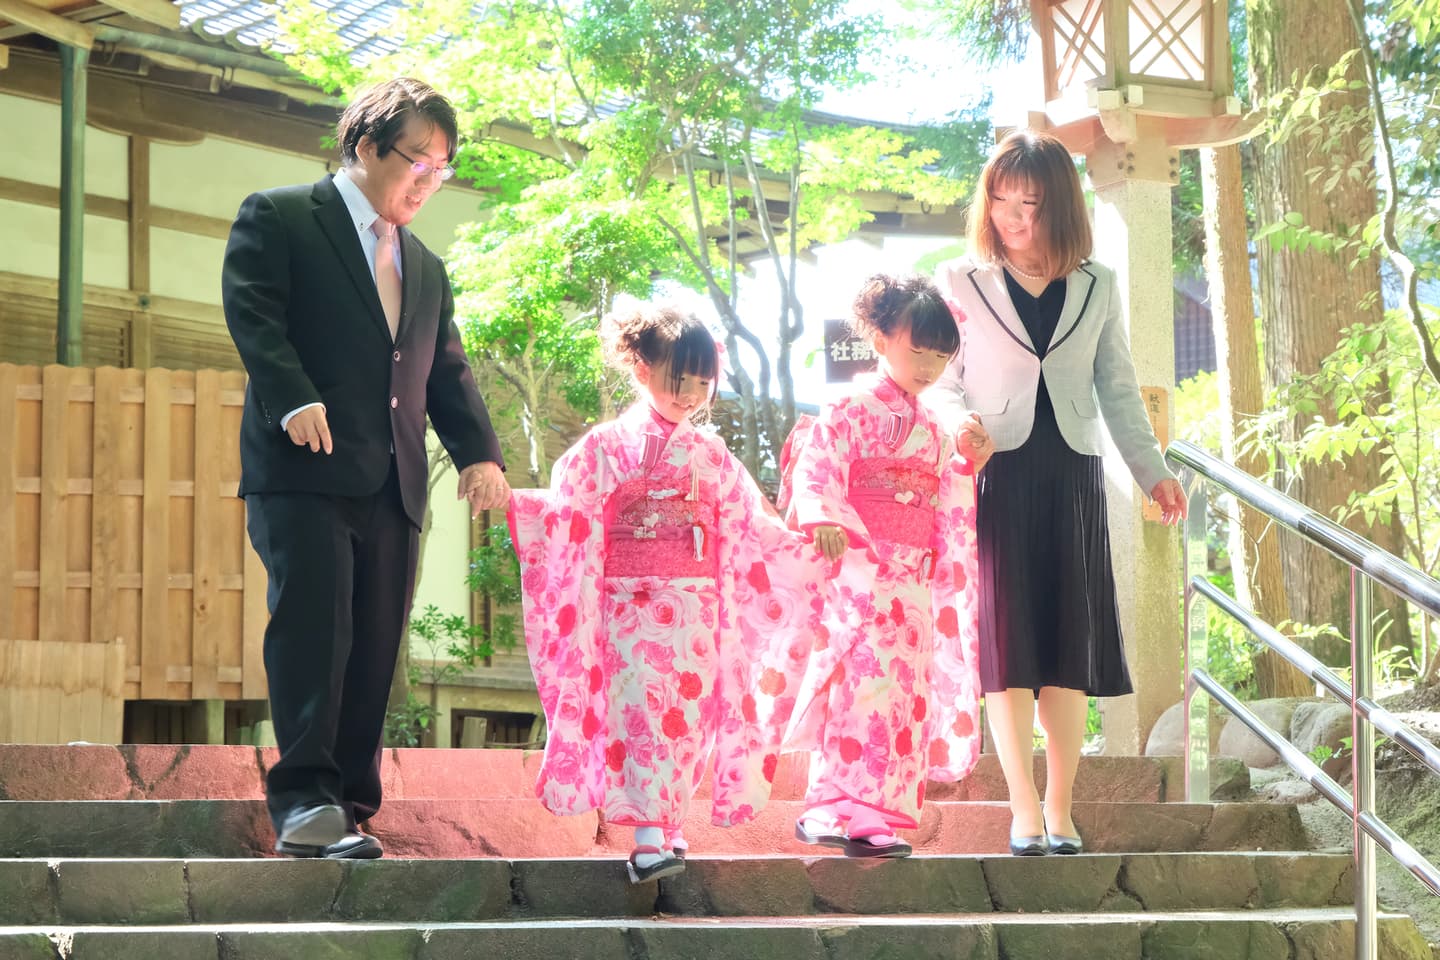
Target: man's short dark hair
x=380 y=112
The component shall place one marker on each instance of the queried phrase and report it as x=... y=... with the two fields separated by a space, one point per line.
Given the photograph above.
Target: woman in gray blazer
x=1044 y=358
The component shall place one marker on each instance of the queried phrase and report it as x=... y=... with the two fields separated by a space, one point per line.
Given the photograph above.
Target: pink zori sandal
x=876 y=845
x=676 y=843
x=820 y=832
x=667 y=867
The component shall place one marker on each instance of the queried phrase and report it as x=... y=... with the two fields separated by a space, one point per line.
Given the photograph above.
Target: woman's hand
x=831 y=541
x=973 y=442
x=1171 y=497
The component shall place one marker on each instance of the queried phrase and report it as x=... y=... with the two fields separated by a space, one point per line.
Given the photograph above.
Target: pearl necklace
x=1032 y=277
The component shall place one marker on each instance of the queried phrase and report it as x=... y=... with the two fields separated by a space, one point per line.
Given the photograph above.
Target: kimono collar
x=890 y=393
x=659 y=421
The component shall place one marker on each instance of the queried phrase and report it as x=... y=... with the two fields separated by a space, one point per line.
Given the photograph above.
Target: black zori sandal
x=667 y=867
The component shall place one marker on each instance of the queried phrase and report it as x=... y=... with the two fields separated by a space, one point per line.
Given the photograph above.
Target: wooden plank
x=84 y=487
x=81 y=580
x=112 y=710
x=183 y=221
x=9 y=649
x=128 y=105
x=54 y=477
x=40 y=195
x=155 y=533
x=66 y=680
x=85 y=708
x=206 y=315
x=254 y=619
x=206 y=628
x=113 y=208
x=142 y=340
x=162 y=13
x=22 y=689
x=105 y=506
x=47 y=24
x=138 y=214
x=9 y=378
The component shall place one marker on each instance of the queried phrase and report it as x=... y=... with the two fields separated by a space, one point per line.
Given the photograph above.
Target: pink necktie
x=387 y=274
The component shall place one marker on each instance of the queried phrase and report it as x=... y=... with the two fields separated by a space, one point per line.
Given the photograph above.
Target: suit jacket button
x=394 y=402
x=396 y=356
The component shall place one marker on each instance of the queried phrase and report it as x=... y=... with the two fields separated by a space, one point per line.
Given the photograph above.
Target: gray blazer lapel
x=334 y=219
x=989 y=284
x=1079 y=288
x=411 y=266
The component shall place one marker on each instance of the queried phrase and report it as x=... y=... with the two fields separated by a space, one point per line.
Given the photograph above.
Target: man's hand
x=831 y=541
x=973 y=442
x=1171 y=497
x=310 y=428
x=483 y=484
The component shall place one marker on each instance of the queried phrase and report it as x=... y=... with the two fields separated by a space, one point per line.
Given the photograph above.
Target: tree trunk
x=1307 y=296
x=1254 y=543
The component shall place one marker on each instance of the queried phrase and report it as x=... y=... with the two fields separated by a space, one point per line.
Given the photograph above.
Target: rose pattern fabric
x=645 y=679
x=890 y=696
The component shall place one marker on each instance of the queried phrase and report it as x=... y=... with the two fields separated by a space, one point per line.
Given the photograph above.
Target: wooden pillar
x=139 y=235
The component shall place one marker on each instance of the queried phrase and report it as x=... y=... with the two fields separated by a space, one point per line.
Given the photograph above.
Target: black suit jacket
x=303 y=310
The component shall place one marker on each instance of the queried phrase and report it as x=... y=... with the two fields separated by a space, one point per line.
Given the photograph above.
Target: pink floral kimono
x=890 y=696
x=668 y=616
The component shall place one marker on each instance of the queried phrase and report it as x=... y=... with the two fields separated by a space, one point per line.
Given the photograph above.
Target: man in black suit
x=344 y=322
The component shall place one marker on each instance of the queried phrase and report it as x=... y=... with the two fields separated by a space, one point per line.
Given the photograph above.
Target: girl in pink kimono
x=890 y=696
x=668 y=611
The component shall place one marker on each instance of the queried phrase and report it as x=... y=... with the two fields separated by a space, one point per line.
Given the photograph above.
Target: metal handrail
x=1368 y=564
x=1353 y=550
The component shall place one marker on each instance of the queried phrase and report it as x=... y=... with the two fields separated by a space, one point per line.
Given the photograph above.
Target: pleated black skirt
x=1048 y=615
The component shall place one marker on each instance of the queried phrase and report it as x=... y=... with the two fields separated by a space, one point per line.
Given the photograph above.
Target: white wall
x=442 y=575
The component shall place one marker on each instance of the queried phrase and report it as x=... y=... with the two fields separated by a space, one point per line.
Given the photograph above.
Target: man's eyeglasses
x=422 y=168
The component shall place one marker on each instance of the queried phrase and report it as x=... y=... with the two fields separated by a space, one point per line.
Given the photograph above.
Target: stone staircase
x=159 y=852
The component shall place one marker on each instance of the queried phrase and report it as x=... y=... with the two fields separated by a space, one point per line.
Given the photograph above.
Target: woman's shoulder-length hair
x=1037 y=161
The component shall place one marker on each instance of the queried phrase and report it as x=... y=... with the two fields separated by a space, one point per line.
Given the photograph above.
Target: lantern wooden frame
x=1168 y=58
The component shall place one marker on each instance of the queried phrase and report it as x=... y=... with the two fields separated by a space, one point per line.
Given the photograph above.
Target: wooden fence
x=125 y=569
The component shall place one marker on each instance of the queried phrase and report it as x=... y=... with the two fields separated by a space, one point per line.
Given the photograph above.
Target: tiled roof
x=251 y=23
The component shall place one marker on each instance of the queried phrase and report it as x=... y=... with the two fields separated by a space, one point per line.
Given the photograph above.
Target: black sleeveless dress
x=1048 y=615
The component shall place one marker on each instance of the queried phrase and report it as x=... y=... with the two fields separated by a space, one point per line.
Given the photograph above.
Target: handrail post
x=1196 y=563
x=1362 y=762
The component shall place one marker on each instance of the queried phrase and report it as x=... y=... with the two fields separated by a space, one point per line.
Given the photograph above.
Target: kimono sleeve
x=559 y=537
x=771 y=601
x=953 y=724
x=821 y=480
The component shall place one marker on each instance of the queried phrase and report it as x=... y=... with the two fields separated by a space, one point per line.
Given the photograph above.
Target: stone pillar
x=1132 y=183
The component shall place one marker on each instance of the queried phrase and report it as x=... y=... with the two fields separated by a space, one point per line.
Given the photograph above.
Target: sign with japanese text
x=845 y=353
x=1157 y=408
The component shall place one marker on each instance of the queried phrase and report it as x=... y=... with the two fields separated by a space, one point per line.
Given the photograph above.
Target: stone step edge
x=1275 y=915
x=609 y=856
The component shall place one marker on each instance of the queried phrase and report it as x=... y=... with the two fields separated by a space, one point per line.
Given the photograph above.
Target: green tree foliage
x=625 y=144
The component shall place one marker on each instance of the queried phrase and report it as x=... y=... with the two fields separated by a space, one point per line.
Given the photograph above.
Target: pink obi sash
x=896 y=499
x=656 y=532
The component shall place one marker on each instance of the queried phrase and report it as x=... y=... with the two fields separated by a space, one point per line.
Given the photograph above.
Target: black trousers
x=342 y=573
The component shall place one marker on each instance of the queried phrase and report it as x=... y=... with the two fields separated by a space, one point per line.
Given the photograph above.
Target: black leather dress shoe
x=1036 y=846
x=355 y=846
x=1062 y=845
x=307 y=831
